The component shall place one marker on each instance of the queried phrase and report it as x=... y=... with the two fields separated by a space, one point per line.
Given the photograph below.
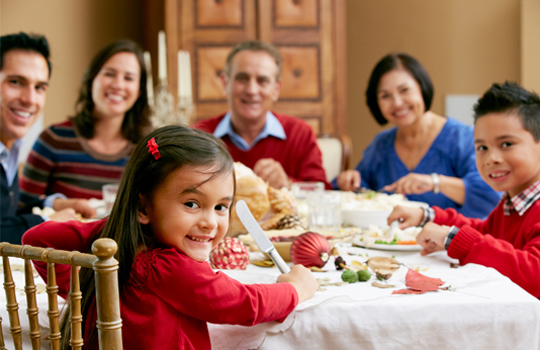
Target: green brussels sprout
x=363 y=275
x=349 y=276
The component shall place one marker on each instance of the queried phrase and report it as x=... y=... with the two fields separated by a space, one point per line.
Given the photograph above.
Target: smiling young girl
x=172 y=208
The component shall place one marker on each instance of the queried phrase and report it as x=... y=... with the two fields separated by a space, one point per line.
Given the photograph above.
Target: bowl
x=365 y=218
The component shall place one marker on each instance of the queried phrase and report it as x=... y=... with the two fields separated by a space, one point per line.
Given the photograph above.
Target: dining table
x=475 y=308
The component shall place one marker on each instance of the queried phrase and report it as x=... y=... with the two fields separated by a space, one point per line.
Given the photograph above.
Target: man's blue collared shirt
x=272 y=128
x=9 y=159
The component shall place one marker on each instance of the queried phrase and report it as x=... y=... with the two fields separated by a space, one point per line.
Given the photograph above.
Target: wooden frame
x=109 y=323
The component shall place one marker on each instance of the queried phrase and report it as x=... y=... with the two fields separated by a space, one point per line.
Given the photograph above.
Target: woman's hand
x=302 y=280
x=432 y=237
x=411 y=184
x=407 y=216
x=79 y=205
x=349 y=180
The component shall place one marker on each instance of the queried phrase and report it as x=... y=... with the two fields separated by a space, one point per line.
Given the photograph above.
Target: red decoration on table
x=153 y=148
x=230 y=254
x=310 y=249
x=419 y=284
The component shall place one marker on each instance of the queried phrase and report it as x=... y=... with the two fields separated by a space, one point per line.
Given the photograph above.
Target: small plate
x=395 y=247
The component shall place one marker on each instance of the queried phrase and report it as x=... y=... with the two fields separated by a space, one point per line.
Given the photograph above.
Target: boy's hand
x=432 y=237
x=407 y=216
x=302 y=280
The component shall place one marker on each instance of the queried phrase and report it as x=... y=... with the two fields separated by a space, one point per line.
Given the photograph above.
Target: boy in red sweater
x=507 y=140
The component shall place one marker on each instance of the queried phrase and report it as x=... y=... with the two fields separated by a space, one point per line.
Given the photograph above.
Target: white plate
x=395 y=247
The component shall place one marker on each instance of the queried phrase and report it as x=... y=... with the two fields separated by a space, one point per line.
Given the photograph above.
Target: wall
x=530 y=48
x=76 y=30
x=464 y=44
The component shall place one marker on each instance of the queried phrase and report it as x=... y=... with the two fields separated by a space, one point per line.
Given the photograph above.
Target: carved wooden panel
x=300 y=75
x=210 y=61
x=296 y=13
x=219 y=13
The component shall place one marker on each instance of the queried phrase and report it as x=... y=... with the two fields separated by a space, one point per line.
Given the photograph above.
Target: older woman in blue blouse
x=428 y=157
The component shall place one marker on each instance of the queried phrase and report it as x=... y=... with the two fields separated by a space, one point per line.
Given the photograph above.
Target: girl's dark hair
x=511 y=98
x=137 y=120
x=179 y=147
x=391 y=62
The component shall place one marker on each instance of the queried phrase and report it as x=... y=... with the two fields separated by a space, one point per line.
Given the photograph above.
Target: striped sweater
x=61 y=161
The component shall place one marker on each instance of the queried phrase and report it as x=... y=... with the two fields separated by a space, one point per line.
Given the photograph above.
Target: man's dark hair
x=511 y=98
x=23 y=41
x=388 y=63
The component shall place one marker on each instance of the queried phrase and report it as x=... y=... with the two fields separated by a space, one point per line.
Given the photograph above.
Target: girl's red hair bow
x=153 y=148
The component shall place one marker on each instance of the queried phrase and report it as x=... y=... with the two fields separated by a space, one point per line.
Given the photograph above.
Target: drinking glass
x=324 y=210
x=109 y=195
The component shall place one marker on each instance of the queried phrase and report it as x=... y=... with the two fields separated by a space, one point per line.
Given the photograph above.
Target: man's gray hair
x=255 y=45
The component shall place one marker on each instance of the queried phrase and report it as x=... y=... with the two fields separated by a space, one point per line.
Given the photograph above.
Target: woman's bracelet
x=436 y=182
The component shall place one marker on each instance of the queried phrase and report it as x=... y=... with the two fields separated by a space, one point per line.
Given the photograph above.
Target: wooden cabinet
x=310 y=35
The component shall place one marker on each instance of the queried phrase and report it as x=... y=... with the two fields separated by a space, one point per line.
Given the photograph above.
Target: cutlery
x=393 y=227
x=255 y=230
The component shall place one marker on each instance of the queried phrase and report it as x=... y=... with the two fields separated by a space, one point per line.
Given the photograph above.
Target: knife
x=255 y=230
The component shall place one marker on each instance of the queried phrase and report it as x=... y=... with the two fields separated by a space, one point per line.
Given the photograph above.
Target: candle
x=188 y=75
x=162 y=56
x=184 y=74
x=149 y=80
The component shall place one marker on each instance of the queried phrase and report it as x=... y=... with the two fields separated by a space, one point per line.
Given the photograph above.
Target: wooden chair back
x=336 y=153
x=109 y=323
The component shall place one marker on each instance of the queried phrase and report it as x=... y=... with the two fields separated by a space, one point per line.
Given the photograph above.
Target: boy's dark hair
x=511 y=98
x=179 y=147
x=28 y=42
x=255 y=45
x=137 y=120
x=391 y=62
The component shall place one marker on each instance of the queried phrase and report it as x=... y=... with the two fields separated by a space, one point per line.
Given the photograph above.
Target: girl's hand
x=406 y=215
x=411 y=184
x=348 y=180
x=302 y=280
x=432 y=237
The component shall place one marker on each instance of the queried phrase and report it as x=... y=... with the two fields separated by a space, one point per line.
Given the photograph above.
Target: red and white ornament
x=230 y=254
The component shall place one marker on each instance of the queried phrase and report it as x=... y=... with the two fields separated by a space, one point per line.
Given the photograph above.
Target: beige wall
x=76 y=30
x=530 y=44
x=464 y=44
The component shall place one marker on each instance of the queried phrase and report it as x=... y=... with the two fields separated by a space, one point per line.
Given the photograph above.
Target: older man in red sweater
x=280 y=149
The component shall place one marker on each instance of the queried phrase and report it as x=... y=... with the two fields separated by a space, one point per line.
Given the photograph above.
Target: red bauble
x=230 y=254
x=310 y=249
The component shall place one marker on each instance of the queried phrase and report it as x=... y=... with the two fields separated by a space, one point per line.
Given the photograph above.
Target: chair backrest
x=336 y=154
x=109 y=323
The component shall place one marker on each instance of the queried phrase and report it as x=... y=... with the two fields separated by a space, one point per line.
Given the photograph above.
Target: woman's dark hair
x=511 y=98
x=137 y=120
x=179 y=147
x=391 y=62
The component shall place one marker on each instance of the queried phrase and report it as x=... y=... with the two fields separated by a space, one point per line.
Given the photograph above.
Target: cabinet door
x=303 y=31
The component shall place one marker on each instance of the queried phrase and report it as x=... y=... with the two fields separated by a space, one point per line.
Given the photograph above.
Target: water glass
x=324 y=209
x=300 y=189
x=109 y=195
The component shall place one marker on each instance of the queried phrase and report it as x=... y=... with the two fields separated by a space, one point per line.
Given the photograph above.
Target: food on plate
x=267 y=204
x=363 y=275
x=349 y=276
x=383 y=274
x=310 y=249
x=382 y=285
x=371 y=201
x=377 y=235
x=229 y=254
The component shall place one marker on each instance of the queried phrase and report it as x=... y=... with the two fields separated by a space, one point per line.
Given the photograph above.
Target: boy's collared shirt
x=272 y=128
x=522 y=201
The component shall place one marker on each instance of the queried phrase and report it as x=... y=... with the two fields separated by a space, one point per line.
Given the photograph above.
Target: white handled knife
x=259 y=236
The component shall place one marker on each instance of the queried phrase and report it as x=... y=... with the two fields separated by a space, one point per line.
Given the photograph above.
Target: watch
x=436 y=181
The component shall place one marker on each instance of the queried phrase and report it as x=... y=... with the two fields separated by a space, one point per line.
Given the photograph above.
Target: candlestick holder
x=185 y=110
x=163 y=111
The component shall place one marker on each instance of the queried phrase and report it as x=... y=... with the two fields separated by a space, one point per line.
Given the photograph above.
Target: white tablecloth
x=485 y=311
